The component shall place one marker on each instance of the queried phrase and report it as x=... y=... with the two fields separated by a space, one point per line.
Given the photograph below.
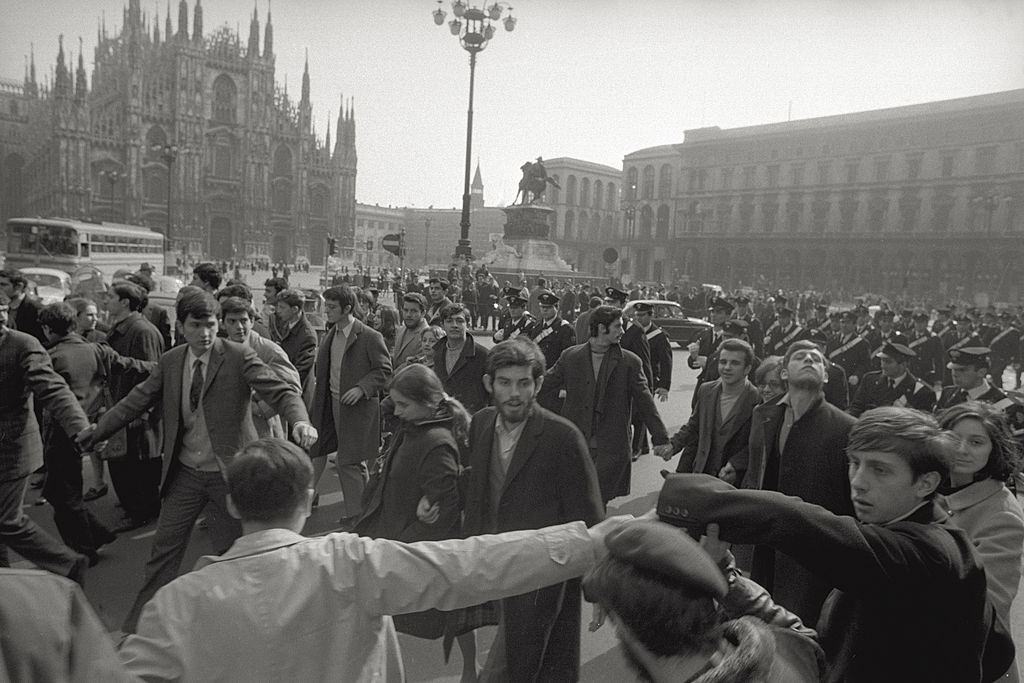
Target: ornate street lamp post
x=169 y=154
x=472 y=26
x=113 y=177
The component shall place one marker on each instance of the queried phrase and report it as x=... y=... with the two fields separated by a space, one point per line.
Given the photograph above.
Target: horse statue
x=534 y=182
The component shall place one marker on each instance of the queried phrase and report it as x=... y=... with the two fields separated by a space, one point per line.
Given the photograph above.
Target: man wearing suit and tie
x=352 y=367
x=715 y=439
x=204 y=388
x=529 y=468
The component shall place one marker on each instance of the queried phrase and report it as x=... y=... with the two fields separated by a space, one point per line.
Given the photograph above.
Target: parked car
x=313 y=307
x=165 y=291
x=48 y=284
x=669 y=316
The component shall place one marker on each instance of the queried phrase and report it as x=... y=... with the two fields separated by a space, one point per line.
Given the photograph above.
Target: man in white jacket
x=278 y=606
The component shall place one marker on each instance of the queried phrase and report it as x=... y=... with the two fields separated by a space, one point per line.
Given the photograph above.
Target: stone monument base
x=525 y=247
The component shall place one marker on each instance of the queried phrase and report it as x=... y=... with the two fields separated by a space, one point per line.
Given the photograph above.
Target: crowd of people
x=842 y=508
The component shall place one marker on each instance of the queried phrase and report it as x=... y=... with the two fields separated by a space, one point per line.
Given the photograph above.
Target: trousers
x=25 y=537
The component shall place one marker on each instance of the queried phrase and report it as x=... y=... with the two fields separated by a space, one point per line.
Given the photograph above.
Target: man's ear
x=927 y=483
x=488 y=384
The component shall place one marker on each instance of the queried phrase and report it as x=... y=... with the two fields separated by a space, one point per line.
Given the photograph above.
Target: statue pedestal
x=525 y=246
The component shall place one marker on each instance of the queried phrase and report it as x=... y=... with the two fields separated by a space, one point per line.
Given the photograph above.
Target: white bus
x=67 y=244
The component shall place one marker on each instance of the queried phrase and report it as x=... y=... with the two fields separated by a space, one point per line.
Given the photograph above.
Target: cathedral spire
x=327 y=141
x=268 y=37
x=305 y=80
x=339 y=138
x=62 y=80
x=81 y=84
x=183 y=20
x=197 y=22
x=253 y=51
x=32 y=69
x=156 y=25
x=168 y=29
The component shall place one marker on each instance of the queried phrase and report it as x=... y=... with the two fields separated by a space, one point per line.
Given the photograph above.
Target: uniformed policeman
x=820 y=320
x=702 y=350
x=784 y=333
x=661 y=349
x=968 y=366
x=928 y=362
x=519 y=320
x=961 y=335
x=884 y=331
x=552 y=333
x=850 y=350
x=1005 y=347
x=893 y=385
x=755 y=330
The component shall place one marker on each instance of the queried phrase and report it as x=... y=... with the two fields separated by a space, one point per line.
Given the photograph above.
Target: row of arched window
x=583 y=192
x=642 y=186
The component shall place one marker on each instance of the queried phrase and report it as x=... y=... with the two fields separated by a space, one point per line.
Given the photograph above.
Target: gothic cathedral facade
x=188 y=134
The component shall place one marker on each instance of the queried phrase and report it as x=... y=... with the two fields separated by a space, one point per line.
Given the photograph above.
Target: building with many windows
x=373 y=223
x=192 y=117
x=586 y=219
x=926 y=200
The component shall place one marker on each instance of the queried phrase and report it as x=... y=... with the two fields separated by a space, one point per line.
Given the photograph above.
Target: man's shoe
x=129 y=524
x=93 y=493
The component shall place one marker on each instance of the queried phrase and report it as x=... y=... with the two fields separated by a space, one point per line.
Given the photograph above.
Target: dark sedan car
x=680 y=328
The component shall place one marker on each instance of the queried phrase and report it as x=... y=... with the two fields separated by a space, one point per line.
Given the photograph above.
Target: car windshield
x=46 y=280
x=666 y=311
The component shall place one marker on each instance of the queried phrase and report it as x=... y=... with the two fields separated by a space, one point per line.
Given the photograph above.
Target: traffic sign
x=392 y=243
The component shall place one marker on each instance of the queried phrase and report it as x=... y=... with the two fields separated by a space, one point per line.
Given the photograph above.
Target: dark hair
x=419 y=383
x=443 y=284
x=906 y=432
x=595 y=301
x=236 y=304
x=416 y=298
x=236 y=290
x=80 y=303
x=60 y=317
x=453 y=309
x=142 y=280
x=767 y=366
x=137 y=296
x=209 y=274
x=1005 y=458
x=268 y=480
x=15 y=277
x=800 y=345
x=4 y=299
x=516 y=353
x=342 y=295
x=276 y=283
x=196 y=304
x=667 y=618
x=290 y=297
x=603 y=315
x=741 y=346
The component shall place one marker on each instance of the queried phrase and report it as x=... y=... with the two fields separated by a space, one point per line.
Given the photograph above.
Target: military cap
x=669 y=552
x=906 y=313
x=643 y=307
x=615 y=293
x=861 y=310
x=516 y=300
x=818 y=337
x=784 y=310
x=848 y=316
x=897 y=352
x=921 y=316
x=779 y=300
x=742 y=300
x=971 y=355
x=722 y=305
x=511 y=291
x=547 y=298
x=884 y=313
x=735 y=326
x=145 y=267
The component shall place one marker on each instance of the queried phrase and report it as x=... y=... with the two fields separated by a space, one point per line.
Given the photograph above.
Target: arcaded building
x=176 y=113
x=923 y=200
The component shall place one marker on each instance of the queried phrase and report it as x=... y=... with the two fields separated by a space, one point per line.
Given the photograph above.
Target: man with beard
x=604 y=386
x=437 y=293
x=408 y=345
x=797 y=447
x=679 y=617
x=529 y=468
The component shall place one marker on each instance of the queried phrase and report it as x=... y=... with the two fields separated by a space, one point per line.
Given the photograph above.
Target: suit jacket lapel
x=468 y=350
x=216 y=358
x=524 y=449
x=741 y=407
x=357 y=327
x=608 y=365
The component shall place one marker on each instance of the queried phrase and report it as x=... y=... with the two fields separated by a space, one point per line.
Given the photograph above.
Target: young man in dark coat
x=459 y=361
x=604 y=386
x=798 y=447
x=529 y=468
x=908 y=599
x=294 y=333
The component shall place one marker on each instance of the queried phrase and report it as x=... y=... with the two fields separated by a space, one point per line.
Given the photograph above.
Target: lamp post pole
x=169 y=154
x=426 y=239
x=472 y=26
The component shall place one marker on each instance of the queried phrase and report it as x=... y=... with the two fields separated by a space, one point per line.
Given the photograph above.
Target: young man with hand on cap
x=551 y=333
x=683 y=613
x=785 y=333
x=519 y=319
x=969 y=366
x=893 y=385
x=909 y=596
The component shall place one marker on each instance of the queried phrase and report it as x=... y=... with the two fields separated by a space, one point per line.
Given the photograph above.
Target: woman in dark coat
x=413 y=494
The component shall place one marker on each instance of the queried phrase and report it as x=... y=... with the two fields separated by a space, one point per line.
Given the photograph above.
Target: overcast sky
x=592 y=79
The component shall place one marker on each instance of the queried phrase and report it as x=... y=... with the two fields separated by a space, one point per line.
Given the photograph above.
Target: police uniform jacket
x=953 y=395
x=895 y=586
x=779 y=339
x=929 y=363
x=510 y=329
x=874 y=391
x=661 y=356
x=633 y=339
x=552 y=337
x=852 y=354
x=1005 y=346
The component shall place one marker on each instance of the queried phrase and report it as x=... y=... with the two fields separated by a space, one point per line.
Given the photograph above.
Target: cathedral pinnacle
x=253 y=51
x=268 y=37
x=305 y=80
x=197 y=22
x=81 y=85
x=182 y=20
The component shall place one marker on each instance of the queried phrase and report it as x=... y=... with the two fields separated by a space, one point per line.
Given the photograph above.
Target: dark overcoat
x=465 y=382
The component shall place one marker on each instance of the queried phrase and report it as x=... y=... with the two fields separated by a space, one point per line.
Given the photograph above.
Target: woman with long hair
x=419 y=472
x=978 y=500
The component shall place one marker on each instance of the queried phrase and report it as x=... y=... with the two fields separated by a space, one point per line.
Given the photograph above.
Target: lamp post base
x=463 y=251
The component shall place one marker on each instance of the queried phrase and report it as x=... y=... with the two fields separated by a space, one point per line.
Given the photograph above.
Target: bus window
x=84 y=249
x=43 y=239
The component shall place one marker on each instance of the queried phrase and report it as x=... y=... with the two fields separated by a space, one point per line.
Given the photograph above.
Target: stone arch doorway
x=279 y=249
x=220 y=238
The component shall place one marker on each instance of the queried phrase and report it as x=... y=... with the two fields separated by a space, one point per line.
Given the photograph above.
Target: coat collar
x=528 y=441
x=254 y=544
x=971 y=495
